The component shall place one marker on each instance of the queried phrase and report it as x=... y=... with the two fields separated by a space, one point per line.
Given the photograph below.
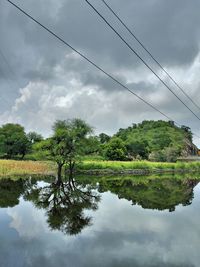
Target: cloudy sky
x=42 y=80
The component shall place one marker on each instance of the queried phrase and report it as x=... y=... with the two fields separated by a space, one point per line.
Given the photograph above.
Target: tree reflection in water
x=64 y=203
x=157 y=194
x=10 y=192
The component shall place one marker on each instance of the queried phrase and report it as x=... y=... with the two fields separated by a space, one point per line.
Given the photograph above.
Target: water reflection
x=10 y=192
x=157 y=194
x=64 y=204
x=120 y=234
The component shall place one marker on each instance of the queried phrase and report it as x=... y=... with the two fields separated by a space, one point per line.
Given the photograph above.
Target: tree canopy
x=13 y=140
x=67 y=144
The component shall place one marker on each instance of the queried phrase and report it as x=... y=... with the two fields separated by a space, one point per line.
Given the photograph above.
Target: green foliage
x=104 y=138
x=158 y=140
x=34 y=137
x=137 y=148
x=92 y=145
x=67 y=144
x=139 y=165
x=115 y=149
x=13 y=141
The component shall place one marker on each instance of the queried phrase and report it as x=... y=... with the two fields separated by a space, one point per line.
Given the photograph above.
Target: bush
x=115 y=149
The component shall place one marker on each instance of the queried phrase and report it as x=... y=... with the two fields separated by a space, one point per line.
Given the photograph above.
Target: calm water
x=100 y=222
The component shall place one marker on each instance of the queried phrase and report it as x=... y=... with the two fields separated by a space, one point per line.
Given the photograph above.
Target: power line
x=149 y=53
x=143 y=61
x=91 y=62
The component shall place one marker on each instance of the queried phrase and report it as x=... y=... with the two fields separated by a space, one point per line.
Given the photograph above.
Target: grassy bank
x=120 y=166
x=15 y=167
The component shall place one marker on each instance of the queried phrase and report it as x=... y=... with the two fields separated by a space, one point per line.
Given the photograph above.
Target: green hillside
x=157 y=140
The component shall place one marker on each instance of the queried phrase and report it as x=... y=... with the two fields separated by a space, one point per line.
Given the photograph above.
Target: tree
x=13 y=140
x=115 y=149
x=137 y=148
x=67 y=143
x=34 y=137
x=93 y=145
x=104 y=138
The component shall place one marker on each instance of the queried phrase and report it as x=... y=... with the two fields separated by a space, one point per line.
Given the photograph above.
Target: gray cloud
x=61 y=85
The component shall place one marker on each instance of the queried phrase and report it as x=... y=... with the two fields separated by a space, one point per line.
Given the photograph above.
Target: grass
x=15 y=167
x=138 y=165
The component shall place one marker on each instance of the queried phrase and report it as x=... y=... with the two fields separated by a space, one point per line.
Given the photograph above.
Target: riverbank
x=136 y=167
x=17 y=168
x=98 y=167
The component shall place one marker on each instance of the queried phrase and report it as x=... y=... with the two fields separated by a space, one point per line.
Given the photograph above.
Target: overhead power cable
x=149 y=53
x=91 y=62
x=143 y=61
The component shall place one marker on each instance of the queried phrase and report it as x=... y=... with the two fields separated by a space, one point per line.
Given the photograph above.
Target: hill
x=157 y=140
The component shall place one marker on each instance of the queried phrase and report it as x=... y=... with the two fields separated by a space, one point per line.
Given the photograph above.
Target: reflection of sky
x=121 y=235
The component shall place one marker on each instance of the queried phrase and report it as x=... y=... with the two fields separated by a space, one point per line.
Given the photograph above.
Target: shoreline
x=136 y=172
x=99 y=168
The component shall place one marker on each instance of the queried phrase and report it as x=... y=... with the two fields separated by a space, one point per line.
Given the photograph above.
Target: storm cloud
x=42 y=80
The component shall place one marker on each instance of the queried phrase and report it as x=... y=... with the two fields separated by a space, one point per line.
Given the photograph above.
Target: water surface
x=100 y=222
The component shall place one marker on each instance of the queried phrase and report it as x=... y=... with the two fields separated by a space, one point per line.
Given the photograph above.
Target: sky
x=42 y=80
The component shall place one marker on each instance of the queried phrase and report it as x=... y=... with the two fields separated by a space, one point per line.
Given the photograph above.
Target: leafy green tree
x=34 y=137
x=13 y=141
x=115 y=149
x=137 y=148
x=67 y=143
x=104 y=138
x=93 y=145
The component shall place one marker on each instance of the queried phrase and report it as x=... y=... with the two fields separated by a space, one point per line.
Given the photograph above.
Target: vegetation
x=13 y=141
x=156 y=140
x=115 y=149
x=138 y=165
x=16 y=167
x=72 y=141
x=66 y=145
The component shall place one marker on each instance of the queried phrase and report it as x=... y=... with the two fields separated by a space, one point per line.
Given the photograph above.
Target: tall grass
x=138 y=165
x=13 y=167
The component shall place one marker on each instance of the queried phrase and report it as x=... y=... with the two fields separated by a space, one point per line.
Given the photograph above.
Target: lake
x=113 y=221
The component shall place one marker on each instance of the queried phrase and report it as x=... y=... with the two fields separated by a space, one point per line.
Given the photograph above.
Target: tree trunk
x=71 y=168
x=59 y=173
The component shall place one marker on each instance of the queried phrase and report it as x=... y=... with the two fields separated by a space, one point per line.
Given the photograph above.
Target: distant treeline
x=151 y=140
